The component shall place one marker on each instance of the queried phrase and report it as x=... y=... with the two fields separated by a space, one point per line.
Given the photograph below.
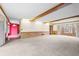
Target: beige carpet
x=42 y=46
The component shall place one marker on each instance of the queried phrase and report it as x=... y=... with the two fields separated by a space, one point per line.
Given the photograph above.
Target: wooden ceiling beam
x=65 y=18
x=48 y=11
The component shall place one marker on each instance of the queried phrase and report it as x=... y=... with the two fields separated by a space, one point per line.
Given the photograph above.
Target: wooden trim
x=4 y=13
x=48 y=11
x=65 y=18
x=67 y=22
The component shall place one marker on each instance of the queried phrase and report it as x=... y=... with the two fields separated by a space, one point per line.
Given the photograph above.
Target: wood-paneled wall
x=33 y=34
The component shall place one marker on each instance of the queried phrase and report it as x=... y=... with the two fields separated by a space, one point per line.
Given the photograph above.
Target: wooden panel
x=32 y=34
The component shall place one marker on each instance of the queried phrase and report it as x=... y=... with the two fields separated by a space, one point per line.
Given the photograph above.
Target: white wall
x=2 y=28
x=14 y=20
x=27 y=26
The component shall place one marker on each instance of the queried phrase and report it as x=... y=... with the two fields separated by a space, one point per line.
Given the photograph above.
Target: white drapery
x=68 y=28
x=77 y=29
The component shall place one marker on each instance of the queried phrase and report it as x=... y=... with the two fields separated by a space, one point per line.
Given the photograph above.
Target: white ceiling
x=26 y=10
x=67 y=11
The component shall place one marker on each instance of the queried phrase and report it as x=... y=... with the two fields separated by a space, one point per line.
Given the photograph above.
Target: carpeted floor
x=54 y=45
